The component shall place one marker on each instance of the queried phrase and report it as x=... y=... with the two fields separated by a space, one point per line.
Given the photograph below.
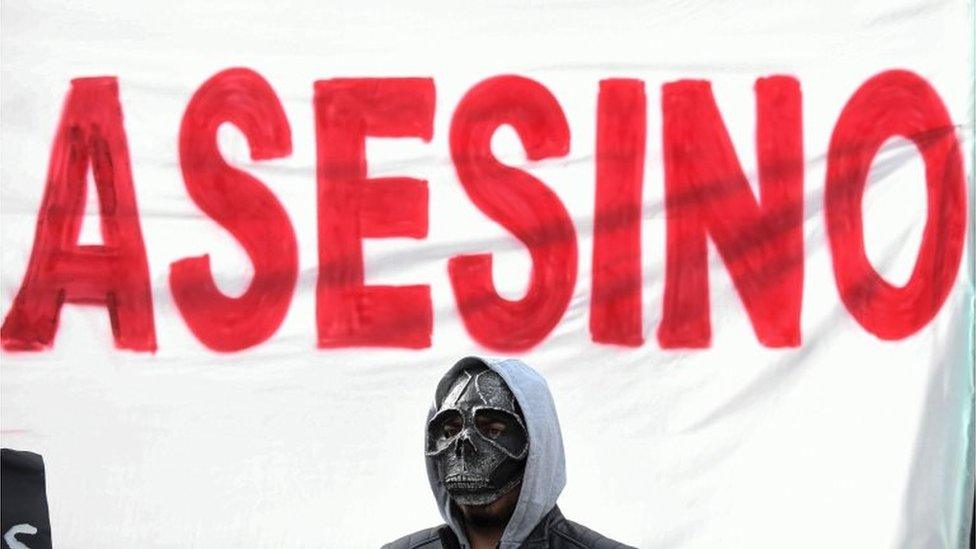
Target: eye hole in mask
x=451 y=427
x=503 y=429
x=442 y=429
x=490 y=427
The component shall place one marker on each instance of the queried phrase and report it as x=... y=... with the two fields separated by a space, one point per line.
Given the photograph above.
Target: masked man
x=495 y=463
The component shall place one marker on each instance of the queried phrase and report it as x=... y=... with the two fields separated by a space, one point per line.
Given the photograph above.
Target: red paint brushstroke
x=707 y=196
x=352 y=207
x=520 y=203
x=760 y=242
x=621 y=131
x=115 y=274
x=243 y=206
x=895 y=103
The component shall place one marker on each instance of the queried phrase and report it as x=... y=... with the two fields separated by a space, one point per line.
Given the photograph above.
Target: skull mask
x=478 y=438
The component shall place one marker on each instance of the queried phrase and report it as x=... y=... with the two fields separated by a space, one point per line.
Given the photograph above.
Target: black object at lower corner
x=24 y=518
x=972 y=528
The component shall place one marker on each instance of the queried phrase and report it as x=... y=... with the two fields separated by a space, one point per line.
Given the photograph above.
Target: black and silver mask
x=478 y=438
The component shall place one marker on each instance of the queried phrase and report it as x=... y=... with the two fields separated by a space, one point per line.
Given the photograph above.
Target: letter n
x=707 y=194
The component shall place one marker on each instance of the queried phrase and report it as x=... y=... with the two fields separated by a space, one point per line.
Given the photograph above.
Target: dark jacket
x=553 y=532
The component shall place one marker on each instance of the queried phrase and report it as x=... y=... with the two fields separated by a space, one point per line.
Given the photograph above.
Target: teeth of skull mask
x=478 y=438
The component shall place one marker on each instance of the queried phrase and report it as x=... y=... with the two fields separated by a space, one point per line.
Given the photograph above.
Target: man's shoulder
x=576 y=535
x=424 y=539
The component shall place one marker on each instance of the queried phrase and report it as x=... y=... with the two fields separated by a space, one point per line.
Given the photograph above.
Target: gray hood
x=545 y=468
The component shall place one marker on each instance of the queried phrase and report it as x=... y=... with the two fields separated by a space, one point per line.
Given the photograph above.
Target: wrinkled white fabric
x=845 y=441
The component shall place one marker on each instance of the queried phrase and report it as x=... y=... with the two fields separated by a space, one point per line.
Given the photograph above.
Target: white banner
x=735 y=238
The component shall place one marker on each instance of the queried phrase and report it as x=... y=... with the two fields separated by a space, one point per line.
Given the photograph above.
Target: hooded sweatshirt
x=545 y=467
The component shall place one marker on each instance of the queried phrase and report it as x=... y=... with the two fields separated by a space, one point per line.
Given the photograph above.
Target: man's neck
x=484 y=537
x=485 y=524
